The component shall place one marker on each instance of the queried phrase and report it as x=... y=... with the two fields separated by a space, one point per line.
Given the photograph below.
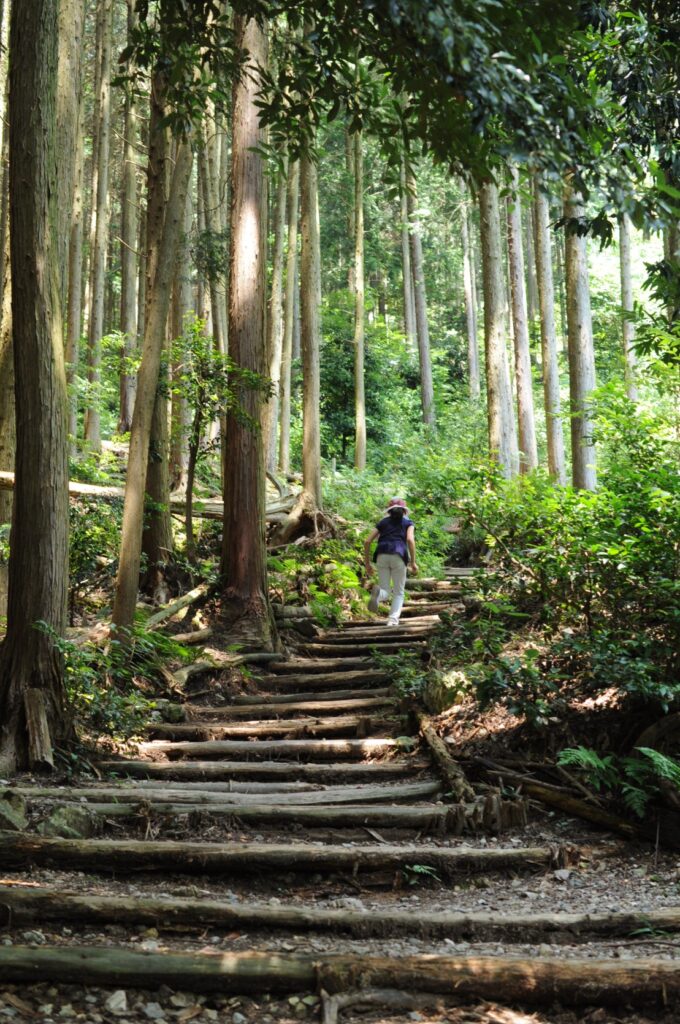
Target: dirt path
x=270 y=858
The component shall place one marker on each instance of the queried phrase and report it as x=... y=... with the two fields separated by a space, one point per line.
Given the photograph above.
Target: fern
x=663 y=767
x=601 y=772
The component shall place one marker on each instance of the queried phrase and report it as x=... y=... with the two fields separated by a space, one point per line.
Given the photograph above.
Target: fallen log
x=284 y=611
x=203 y=508
x=367 y=638
x=20 y=905
x=275 y=749
x=643 y=983
x=176 y=606
x=197 y=636
x=453 y=774
x=127 y=856
x=135 y=794
x=286 y=770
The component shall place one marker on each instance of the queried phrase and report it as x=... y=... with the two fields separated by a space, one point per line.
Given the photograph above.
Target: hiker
x=395 y=552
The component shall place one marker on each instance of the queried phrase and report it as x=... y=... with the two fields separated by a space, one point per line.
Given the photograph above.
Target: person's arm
x=367 y=551
x=411 y=545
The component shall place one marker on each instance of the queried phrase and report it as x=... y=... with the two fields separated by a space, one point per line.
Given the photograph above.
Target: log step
x=422 y=818
x=127 y=856
x=297 y=665
x=410 y=611
x=380 y=637
x=309 y=750
x=356 y=626
x=266 y=770
x=262 y=710
x=346 y=725
x=125 y=793
x=284 y=699
x=44 y=904
x=361 y=648
x=324 y=680
x=644 y=984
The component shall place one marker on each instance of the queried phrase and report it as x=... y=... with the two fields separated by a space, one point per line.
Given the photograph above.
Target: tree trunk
x=244 y=553
x=32 y=709
x=275 y=320
x=581 y=351
x=147 y=383
x=420 y=300
x=627 y=325
x=474 y=383
x=128 y=244
x=550 y=364
x=7 y=406
x=310 y=330
x=289 y=314
x=213 y=228
x=182 y=309
x=530 y=265
x=99 y=226
x=359 y=302
x=406 y=272
x=525 y=393
x=502 y=436
x=157 y=540
x=74 y=315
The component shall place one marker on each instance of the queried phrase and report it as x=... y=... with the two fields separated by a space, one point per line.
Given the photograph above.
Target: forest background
x=399 y=248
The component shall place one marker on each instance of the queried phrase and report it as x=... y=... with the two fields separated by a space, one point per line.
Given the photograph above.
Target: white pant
x=392 y=571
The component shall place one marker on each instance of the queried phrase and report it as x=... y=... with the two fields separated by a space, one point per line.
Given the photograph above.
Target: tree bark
x=310 y=331
x=275 y=320
x=474 y=383
x=292 y=203
x=406 y=271
x=528 y=451
x=244 y=554
x=581 y=350
x=420 y=302
x=502 y=435
x=99 y=226
x=549 y=359
x=8 y=434
x=359 y=304
x=128 y=250
x=74 y=314
x=213 y=227
x=147 y=383
x=627 y=325
x=32 y=710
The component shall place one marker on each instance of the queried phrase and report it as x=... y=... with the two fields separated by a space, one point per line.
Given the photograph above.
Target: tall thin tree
x=549 y=357
x=502 y=432
x=359 y=304
x=581 y=350
x=627 y=325
x=420 y=299
x=292 y=203
x=525 y=391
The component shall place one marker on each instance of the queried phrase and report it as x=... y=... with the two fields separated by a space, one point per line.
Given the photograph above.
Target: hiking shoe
x=392 y=621
x=374 y=599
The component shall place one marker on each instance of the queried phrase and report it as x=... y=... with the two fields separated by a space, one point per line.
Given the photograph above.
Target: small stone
x=545 y=950
x=150 y=945
x=211 y=1014
x=310 y=1000
x=67 y=1011
x=35 y=937
x=6 y=941
x=154 y=1011
x=117 y=1002
x=414 y=1015
x=46 y=1009
x=150 y=933
x=300 y=1010
x=180 y=1000
x=12 y=811
x=238 y=1018
x=562 y=874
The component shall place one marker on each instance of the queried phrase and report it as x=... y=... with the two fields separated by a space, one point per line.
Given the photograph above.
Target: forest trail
x=300 y=850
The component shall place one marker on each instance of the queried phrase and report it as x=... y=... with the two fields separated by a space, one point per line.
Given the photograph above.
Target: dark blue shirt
x=392 y=539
